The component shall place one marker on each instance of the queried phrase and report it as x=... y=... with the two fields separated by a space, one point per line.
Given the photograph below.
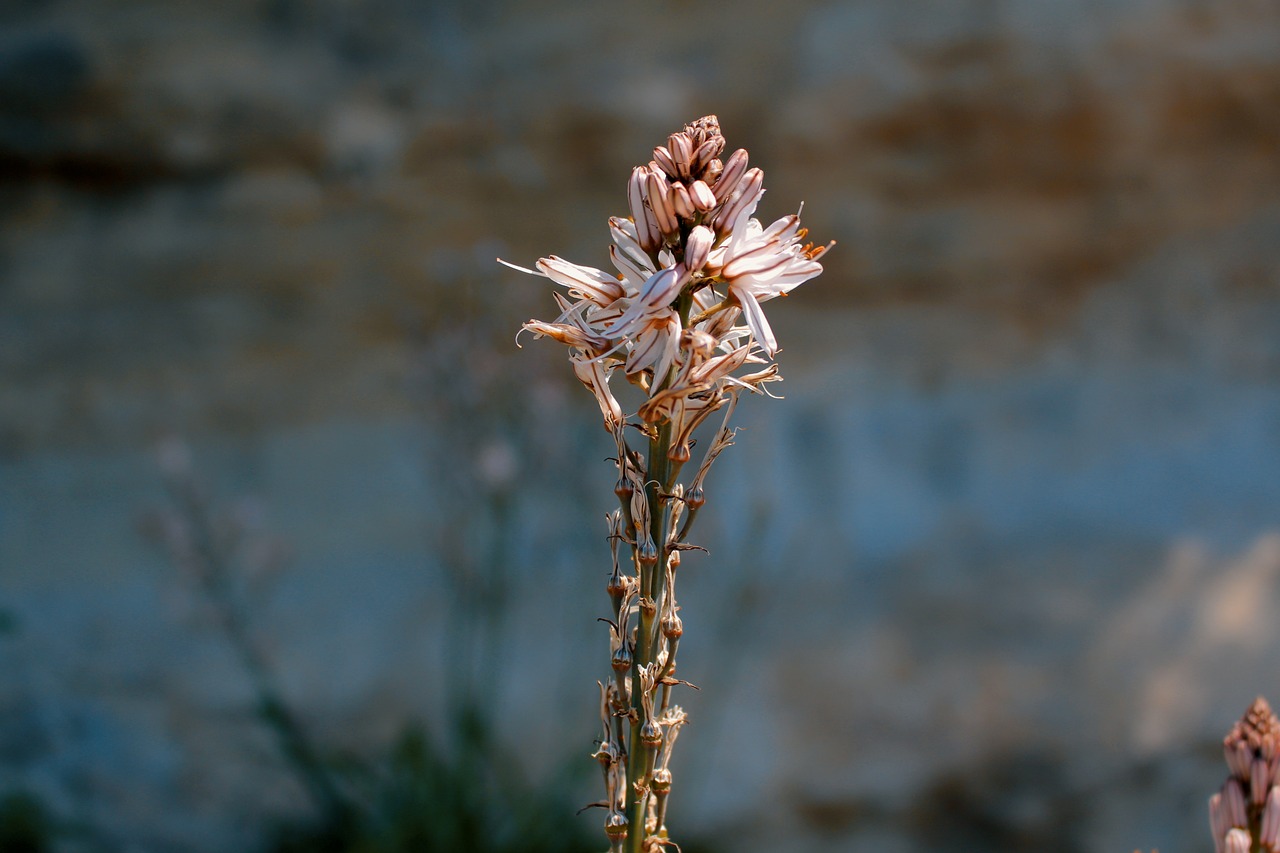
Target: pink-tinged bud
x=734 y=168
x=705 y=153
x=1239 y=758
x=698 y=247
x=660 y=203
x=1233 y=804
x=703 y=198
x=681 y=202
x=662 y=159
x=1218 y=824
x=712 y=173
x=1237 y=841
x=1259 y=781
x=1270 y=831
x=647 y=233
x=748 y=194
x=681 y=148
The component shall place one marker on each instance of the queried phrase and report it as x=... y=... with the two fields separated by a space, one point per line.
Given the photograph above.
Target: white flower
x=758 y=263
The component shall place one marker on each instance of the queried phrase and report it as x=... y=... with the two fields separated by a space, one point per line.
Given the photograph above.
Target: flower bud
x=681 y=148
x=734 y=168
x=681 y=202
x=1269 y=834
x=748 y=194
x=703 y=198
x=705 y=153
x=662 y=159
x=698 y=247
x=1237 y=841
x=1259 y=781
x=660 y=204
x=647 y=232
x=1233 y=804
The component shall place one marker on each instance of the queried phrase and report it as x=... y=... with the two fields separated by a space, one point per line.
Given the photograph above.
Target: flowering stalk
x=1245 y=815
x=691 y=263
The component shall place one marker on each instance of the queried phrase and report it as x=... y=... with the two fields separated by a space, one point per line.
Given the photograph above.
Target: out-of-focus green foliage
x=25 y=824
x=422 y=799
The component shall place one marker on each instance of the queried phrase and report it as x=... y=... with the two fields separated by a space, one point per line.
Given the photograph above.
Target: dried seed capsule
x=651 y=734
x=647 y=552
x=617 y=585
x=615 y=826
x=622 y=488
x=621 y=661
x=661 y=781
x=672 y=627
x=696 y=497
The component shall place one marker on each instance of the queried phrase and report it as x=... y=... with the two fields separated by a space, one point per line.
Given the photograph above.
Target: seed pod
x=651 y=734
x=661 y=781
x=647 y=552
x=696 y=497
x=622 y=488
x=615 y=826
x=621 y=661
x=672 y=627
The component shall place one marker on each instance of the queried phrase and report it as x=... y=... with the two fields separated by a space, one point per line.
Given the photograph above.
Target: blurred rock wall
x=995 y=575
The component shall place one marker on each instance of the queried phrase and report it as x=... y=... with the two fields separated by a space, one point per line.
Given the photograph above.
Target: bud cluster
x=681 y=319
x=1247 y=808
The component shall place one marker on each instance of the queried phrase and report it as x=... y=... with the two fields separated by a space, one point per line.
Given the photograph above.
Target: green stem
x=660 y=481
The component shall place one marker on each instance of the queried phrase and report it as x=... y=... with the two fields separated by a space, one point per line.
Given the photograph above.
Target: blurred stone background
x=998 y=574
